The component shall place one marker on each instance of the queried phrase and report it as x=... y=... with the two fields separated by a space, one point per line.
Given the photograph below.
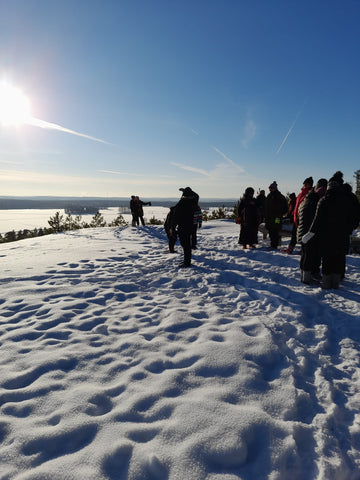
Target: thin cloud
x=112 y=172
x=53 y=126
x=249 y=133
x=191 y=169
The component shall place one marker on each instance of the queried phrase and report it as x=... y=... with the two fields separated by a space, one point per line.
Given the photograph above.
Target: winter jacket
x=299 y=199
x=275 y=207
x=306 y=213
x=250 y=218
x=334 y=221
x=183 y=217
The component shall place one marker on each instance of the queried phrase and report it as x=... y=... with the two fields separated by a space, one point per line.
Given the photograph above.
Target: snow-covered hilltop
x=115 y=364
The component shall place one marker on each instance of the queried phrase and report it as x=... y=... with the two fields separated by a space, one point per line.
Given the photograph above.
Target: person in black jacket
x=183 y=220
x=310 y=260
x=139 y=210
x=250 y=216
x=275 y=207
x=336 y=217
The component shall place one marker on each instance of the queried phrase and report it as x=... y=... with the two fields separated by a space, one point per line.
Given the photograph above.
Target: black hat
x=309 y=180
x=322 y=182
x=337 y=177
x=187 y=192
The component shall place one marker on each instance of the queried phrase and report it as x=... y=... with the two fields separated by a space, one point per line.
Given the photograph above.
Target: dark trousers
x=142 y=221
x=293 y=236
x=135 y=220
x=274 y=237
x=334 y=264
x=185 y=242
x=310 y=260
x=193 y=236
x=172 y=240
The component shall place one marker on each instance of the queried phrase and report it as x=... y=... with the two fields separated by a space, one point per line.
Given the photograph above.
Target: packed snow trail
x=115 y=364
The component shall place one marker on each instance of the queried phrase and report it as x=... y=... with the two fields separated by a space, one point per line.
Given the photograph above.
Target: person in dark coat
x=139 y=209
x=275 y=208
x=310 y=260
x=183 y=220
x=291 y=206
x=249 y=215
x=332 y=226
x=172 y=237
x=133 y=210
x=260 y=201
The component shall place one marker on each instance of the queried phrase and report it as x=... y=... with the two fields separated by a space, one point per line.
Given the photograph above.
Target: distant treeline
x=60 y=223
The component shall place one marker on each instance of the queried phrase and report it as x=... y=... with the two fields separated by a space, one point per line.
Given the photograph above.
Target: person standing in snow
x=307 y=186
x=139 y=210
x=197 y=224
x=260 y=202
x=172 y=237
x=133 y=210
x=249 y=216
x=183 y=220
x=336 y=217
x=310 y=260
x=275 y=208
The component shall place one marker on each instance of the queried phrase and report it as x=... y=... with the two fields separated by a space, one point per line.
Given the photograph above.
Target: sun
x=14 y=106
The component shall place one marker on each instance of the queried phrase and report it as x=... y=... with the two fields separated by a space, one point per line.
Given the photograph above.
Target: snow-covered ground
x=115 y=364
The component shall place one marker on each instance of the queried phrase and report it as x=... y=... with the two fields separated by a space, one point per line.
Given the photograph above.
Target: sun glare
x=14 y=106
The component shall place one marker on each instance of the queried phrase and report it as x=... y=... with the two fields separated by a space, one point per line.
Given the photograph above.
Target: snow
x=115 y=364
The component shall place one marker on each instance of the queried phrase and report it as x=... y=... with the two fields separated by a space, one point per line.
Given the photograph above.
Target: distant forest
x=95 y=203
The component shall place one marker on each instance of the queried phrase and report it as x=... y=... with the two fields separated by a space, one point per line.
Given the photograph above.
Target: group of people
x=137 y=211
x=323 y=217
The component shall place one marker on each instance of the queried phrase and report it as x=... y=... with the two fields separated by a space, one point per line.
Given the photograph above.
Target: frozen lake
x=38 y=218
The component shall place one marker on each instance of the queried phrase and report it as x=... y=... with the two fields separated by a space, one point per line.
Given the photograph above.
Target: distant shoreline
x=29 y=203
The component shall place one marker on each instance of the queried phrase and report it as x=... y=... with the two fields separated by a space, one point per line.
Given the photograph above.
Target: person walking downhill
x=275 y=207
x=249 y=216
x=183 y=220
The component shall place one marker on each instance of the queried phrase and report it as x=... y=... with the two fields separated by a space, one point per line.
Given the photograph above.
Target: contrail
x=290 y=130
x=226 y=158
x=53 y=126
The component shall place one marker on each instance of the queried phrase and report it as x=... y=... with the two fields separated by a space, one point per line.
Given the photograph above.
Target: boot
x=171 y=249
x=335 y=280
x=326 y=282
x=306 y=277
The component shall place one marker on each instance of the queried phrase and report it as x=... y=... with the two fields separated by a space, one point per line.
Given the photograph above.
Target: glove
x=149 y=204
x=307 y=237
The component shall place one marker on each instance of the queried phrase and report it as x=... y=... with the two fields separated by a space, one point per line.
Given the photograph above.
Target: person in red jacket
x=307 y=186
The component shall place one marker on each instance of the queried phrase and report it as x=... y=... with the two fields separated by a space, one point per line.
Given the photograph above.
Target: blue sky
x=218 y=95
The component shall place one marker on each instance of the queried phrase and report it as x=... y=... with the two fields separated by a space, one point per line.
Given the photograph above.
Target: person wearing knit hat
x=310 y=260
x=337 y=177
x=183 y=220
x=307 y=186
x=273 y=185
x=275 y=207
x=336 y=217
